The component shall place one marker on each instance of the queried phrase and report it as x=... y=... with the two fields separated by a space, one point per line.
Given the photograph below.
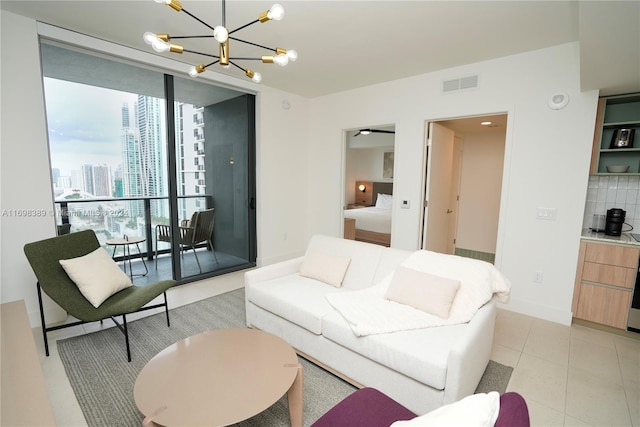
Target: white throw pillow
x=427 y=292
x=477 y=410
x=96 y=275
x=327 y=268
x=384 y=201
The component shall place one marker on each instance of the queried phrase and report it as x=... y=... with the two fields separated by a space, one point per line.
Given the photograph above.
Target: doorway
x=464 y=162
x=368 y=184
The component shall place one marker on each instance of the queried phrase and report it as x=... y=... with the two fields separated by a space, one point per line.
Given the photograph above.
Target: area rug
x=103 y=380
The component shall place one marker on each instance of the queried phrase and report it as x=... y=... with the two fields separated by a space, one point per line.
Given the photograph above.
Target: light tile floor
x=569 y=375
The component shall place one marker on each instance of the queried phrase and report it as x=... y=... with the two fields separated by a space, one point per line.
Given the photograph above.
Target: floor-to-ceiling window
x=137 y=152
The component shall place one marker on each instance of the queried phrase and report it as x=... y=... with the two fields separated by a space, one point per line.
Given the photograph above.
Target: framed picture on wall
x=387 y=165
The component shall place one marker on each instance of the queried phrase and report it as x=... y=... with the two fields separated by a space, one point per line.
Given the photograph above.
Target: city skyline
x=80 y=130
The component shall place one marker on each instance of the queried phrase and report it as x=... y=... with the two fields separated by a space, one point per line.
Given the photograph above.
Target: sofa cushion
x=421 y=354
x=325 y=267
x=364 y=258
x=298 y=299
x=427 y=292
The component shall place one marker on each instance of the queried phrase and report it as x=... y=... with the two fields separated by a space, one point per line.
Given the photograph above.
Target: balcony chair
x=198 y=229
x=44 y=257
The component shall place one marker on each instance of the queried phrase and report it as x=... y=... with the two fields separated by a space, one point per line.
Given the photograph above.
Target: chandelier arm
x=213 y=63
x=248 y=59
x=253 y=44
x=191 y=37
x=236 y=65
x=244 y=26
x=197 y=19
x=201 y=53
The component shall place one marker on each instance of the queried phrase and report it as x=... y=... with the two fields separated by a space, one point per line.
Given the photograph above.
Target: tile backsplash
x=619 y=191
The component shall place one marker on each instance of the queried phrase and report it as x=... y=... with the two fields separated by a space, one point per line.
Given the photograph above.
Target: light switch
x=405 y=204
x=546 y=213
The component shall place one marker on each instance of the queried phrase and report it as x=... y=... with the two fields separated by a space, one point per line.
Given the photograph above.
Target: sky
x=84 y=124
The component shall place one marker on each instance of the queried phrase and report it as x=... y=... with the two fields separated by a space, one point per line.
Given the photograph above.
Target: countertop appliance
x=622 y=138
x=614 y=221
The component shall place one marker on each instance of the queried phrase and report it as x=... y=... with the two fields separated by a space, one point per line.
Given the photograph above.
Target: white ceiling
x=349 y=44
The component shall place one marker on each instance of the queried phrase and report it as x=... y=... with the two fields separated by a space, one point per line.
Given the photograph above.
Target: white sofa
x=422 y=368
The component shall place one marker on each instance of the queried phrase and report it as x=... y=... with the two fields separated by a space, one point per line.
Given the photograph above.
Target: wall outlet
x=538 y=276
x=405 y=204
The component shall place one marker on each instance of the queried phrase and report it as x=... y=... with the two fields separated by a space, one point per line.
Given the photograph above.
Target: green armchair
x=44 y=257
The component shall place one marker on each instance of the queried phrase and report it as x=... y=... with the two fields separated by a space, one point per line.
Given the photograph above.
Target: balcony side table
x=126 y=243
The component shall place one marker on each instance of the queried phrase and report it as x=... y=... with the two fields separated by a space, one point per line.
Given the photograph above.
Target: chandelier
x=280 y=56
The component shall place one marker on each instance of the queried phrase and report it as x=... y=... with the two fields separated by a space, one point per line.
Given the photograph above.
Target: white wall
x=480 y=189
x=546 y=161
x=363 y=164
x=24 y=156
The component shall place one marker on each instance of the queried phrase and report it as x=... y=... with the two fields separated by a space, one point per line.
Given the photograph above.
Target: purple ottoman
x=368 y=407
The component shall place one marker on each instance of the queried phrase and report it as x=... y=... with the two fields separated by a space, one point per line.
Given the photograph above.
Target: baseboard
x=539 y=311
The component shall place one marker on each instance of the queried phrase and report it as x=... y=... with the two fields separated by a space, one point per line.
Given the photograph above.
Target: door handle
x=449 y=211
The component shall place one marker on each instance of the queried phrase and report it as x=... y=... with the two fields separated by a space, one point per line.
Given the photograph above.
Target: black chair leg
x=126 y=336
x=166 y=308
x=44 y=328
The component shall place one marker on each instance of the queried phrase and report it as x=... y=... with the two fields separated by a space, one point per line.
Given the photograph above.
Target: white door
x=435 y=233
x=454 y=195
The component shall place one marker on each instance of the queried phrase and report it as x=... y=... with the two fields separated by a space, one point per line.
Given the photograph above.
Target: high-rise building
x=131 y=170
x=102 y=181
x=190 y=155
x=143 y=169
x=87 y=179
x=149 y=122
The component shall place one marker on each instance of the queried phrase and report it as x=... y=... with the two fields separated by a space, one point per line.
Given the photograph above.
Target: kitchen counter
x=624 y=238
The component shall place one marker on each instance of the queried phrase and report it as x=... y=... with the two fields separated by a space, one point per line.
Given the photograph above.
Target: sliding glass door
x=136 y=152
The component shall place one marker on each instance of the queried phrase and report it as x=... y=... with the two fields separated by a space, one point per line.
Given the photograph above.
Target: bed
x=373 y=223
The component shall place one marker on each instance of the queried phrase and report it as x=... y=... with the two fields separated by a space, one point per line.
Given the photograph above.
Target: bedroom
x=474 y=176
x=368 y=163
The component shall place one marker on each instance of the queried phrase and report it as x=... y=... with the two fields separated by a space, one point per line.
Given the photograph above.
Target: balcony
x=137 y=216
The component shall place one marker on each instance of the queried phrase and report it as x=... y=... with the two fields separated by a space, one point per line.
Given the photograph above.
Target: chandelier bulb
x=196 y=70
x=161 y=1
x=220 y=33
x=257 y=77
x=281 y=59
x=276 y=12
x=292 y=54
x=160 y=46
x=149 y=37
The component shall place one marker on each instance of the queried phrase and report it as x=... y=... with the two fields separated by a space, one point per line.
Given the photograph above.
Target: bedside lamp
x=362 y=187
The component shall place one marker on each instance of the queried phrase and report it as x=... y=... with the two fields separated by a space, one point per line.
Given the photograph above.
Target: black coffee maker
x=613 y=224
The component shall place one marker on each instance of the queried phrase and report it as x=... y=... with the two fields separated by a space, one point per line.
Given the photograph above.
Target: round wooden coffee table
x=218 y=378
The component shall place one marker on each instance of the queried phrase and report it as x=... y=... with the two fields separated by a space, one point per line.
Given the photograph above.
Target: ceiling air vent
x=470 y=82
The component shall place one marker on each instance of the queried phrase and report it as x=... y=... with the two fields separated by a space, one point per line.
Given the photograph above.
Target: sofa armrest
x=266 y=273
x=468 y=360
x=272 y=271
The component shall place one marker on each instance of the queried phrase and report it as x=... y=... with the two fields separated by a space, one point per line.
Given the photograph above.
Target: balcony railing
x=115 y=217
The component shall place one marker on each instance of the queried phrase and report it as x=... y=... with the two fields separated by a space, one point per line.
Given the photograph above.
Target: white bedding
x=368 y=312
x=371 y=219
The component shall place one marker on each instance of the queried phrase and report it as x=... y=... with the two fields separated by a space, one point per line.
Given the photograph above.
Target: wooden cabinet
x=605 y=278
x=616 y=112
x=349 y=228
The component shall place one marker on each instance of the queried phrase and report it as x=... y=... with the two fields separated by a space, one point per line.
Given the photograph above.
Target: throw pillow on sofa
x=427 y=292
x=326 y=268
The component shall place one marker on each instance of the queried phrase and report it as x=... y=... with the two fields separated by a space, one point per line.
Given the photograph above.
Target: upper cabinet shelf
x=615 y=113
